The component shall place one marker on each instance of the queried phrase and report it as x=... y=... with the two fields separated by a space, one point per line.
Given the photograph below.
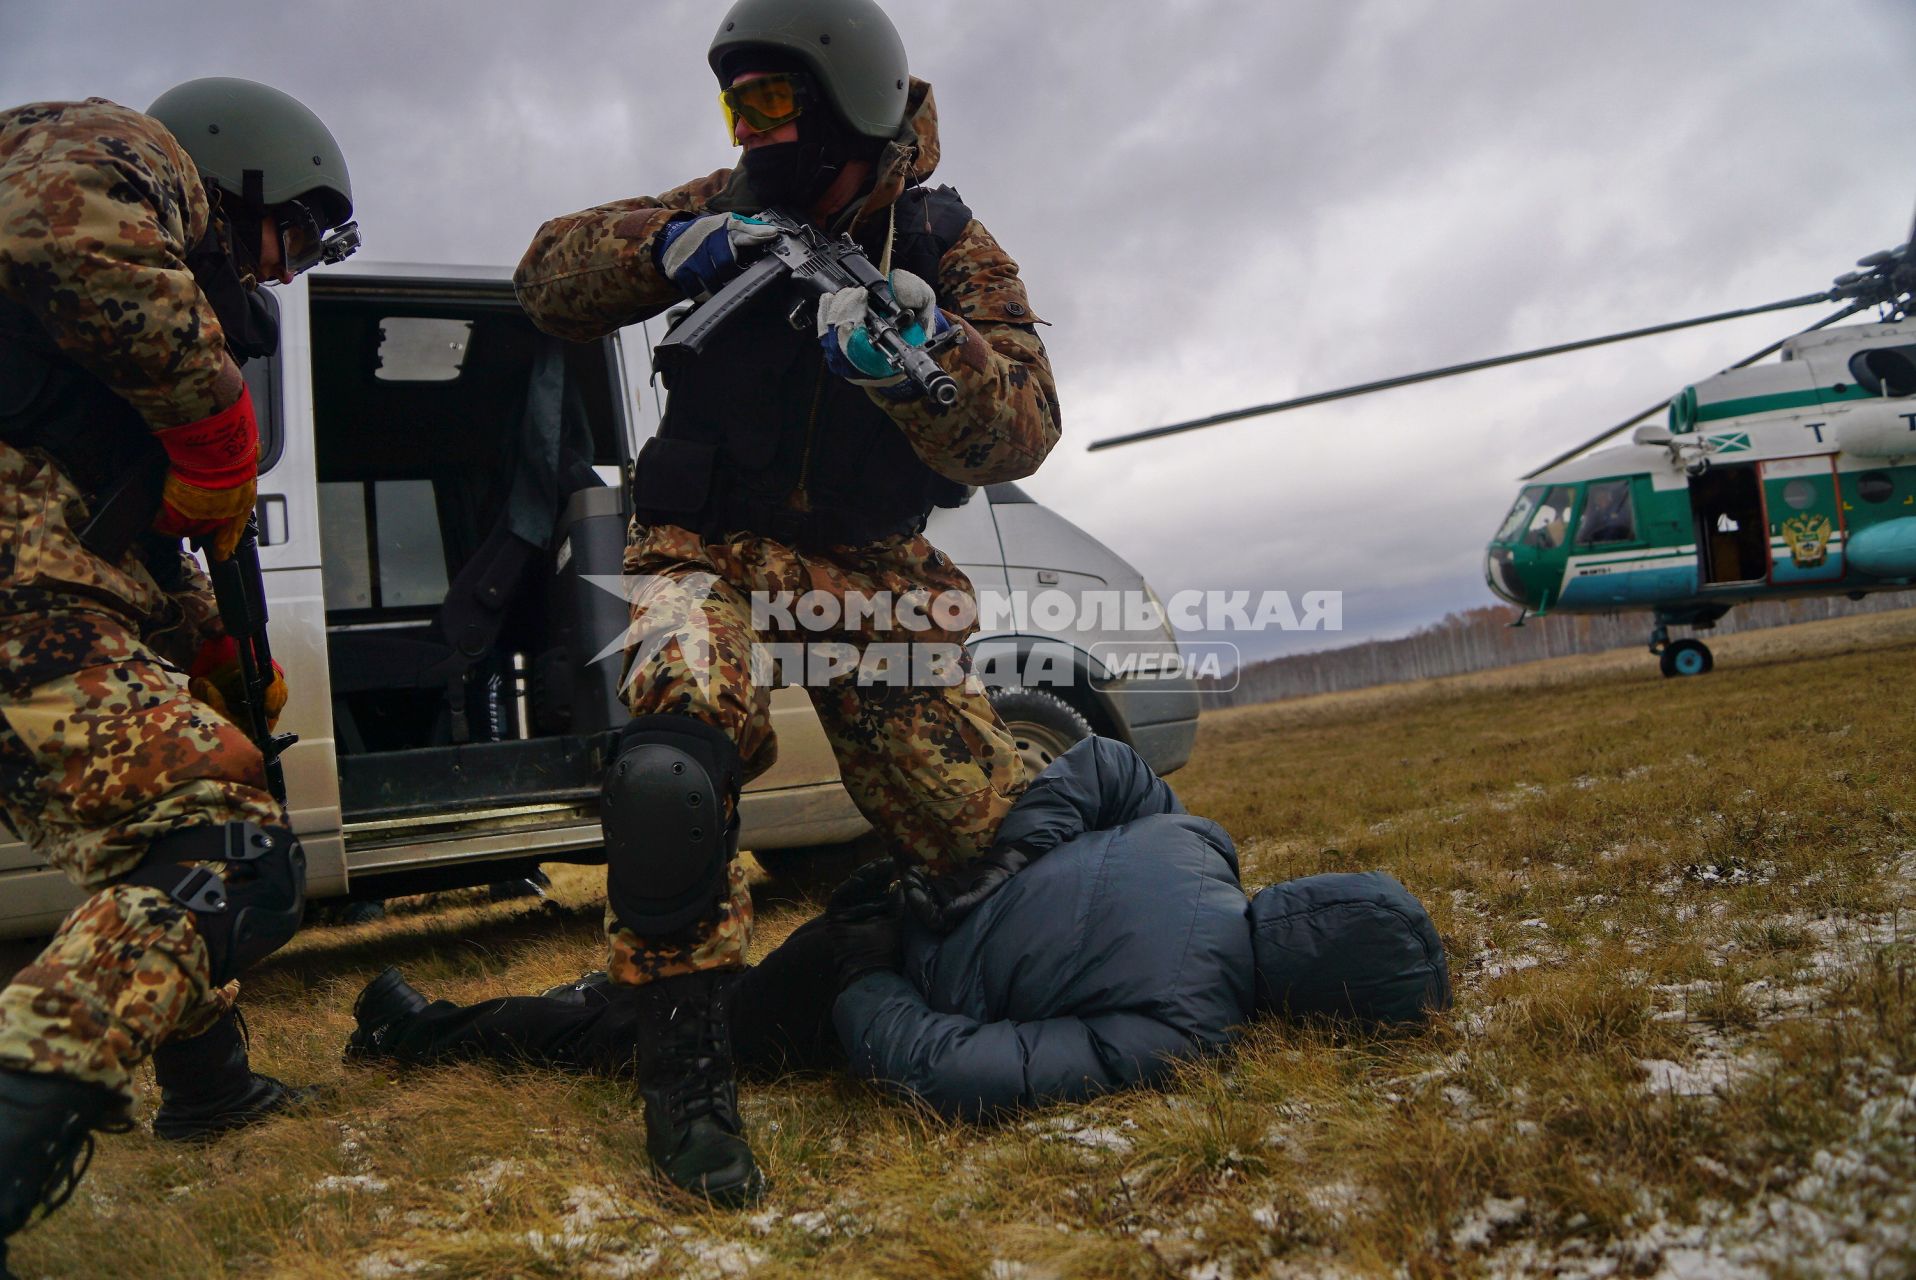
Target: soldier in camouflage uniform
x=129 y=248
x=791 y=462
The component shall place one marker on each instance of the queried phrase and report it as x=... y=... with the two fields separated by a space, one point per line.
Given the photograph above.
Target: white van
x=437 y=476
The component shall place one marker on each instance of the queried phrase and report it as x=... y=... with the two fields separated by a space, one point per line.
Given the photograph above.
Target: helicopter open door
x=1805 y=519
x=1733 y=547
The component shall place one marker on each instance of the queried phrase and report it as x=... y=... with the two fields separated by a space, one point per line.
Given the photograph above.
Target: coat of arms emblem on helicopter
x=1808 y=537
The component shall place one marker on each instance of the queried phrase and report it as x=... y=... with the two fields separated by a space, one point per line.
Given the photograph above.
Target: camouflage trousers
x=102 y=750
x=927 y=761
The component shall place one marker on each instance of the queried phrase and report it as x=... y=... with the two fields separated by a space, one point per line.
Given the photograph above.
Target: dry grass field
x=1679 y=915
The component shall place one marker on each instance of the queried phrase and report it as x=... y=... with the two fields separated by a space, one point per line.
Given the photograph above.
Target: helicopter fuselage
x=1785 y=479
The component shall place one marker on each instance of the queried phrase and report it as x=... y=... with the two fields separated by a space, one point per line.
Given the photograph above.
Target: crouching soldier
x=791 y=462
x=1122 y=946
x=130 y=247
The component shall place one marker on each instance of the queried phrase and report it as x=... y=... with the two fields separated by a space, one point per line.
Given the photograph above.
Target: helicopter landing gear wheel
x=1686 y=658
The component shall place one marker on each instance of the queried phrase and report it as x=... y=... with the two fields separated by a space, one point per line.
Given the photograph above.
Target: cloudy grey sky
x=1215 y=203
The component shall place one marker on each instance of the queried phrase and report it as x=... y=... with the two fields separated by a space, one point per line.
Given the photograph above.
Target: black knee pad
x=667 y=841
x=248 y=911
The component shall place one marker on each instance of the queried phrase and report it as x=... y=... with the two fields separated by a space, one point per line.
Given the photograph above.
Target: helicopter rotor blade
x=1449 y=371
x=1664 y=403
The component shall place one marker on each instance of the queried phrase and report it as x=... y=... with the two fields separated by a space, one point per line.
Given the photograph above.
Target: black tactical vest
x=760 y=437
x=49 y=402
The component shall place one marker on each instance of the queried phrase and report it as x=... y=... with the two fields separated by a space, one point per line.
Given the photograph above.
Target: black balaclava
x=219 y=263
x=793 y=175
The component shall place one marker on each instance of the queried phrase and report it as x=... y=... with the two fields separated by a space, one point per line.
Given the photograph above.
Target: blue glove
x=849 y=351
x=700 y=254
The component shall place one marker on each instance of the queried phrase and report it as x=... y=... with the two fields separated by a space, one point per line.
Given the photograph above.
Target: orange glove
x=213 y=479
x=214 y=679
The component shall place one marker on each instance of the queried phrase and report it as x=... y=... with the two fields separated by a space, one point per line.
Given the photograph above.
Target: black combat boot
x=207 y=1086
x=381 y=1010
x=46 y=1142
x=691 y=1097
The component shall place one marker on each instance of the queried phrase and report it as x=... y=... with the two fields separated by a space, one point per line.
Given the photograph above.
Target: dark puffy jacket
x=1127 y=945
x=1122 y=948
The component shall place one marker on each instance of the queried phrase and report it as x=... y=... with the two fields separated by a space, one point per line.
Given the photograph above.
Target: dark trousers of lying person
x=779 y=1010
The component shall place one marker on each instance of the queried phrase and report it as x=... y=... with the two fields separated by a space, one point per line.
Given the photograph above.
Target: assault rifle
x=124 y=512
x=241 y=593
x=816 y=264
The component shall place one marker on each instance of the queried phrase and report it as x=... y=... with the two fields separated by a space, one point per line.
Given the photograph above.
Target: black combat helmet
x=260 y=145
x=849 y=46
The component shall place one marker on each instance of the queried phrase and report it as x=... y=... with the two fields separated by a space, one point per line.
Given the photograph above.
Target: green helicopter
x=1791 y=478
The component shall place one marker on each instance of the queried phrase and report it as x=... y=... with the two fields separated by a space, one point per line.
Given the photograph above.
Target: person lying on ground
x=1121 y=945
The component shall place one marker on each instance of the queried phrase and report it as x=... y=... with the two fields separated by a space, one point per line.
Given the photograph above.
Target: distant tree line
x=1481 y=638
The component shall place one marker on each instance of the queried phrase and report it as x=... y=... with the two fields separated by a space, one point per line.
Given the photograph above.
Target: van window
x=1551 y=522
x=389 y=555
x=1608 y=516
x=262 y=379
x=342 y=546
x=412 y=557
x=422 y=348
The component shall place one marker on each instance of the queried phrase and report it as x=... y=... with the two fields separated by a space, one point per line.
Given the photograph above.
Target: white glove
x=842 y=330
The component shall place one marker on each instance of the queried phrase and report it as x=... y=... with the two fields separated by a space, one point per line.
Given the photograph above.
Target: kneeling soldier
x=791 y=462
x=130 y=248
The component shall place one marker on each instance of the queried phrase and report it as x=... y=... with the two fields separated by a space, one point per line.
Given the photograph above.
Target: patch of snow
x=623 y=1266
x=351 y=1182
x=559 y=1245
x=1482 y=1224
x=490 y=1178
x=1515 y=964
x=1071 y=1129
x=720 y=1259
x=813 y=1222
x=1706 y=1076
x=1335 y=1199
x=588 y=1206
x=384 y=1266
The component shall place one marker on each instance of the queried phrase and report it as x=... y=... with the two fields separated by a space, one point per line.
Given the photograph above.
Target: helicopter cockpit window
x=1608 y=516
x=1519 y=512
x=1551 y=522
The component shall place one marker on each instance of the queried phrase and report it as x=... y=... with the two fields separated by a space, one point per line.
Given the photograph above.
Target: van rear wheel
x=1043 y=725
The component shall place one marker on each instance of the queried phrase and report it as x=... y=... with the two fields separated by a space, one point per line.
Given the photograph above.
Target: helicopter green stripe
x=1780 y=401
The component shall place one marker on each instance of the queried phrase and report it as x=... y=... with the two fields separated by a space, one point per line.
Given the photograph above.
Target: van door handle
x=271 y=513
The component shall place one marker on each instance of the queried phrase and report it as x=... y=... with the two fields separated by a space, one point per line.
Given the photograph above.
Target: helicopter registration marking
x=1638 y=562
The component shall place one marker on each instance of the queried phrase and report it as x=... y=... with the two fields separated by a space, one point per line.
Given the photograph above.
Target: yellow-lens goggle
x=765 y=103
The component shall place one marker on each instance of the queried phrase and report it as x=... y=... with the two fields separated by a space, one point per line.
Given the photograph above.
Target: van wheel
x=1043 y=725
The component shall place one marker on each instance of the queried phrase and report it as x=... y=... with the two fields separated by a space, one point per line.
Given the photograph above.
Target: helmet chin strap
x=245 y=220
x=227 y=276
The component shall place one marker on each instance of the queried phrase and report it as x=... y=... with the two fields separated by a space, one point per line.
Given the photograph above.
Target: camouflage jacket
x=589 y=273
x=98 y=208
x=99 y=205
